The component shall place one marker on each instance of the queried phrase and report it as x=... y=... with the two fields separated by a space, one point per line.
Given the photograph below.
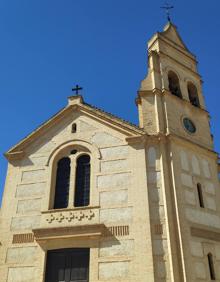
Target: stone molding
x=70 y=217
x=43 y=234
x=205 y=233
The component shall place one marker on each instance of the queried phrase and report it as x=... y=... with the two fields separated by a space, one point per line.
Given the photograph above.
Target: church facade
x=90 y=197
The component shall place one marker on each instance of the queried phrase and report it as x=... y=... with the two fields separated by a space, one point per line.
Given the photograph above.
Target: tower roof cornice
x=170 y=36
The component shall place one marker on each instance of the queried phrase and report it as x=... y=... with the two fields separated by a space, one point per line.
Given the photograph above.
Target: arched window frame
x=62 y=184
x=75 y=200
x=63 y=150
x=195 y=101
x=177 y=92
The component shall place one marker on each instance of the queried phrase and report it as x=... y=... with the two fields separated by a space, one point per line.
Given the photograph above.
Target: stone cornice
x=178 y=62
x=15 y=155
x=69 y=209
x=183 y=101
x=207 y=233
x=84 y=231
x=181 y=140
x=165 y=92
x=163 y=138
x=75 y=103
x=159 y=37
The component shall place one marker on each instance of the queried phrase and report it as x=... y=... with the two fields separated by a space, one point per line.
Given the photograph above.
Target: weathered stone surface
x=22 y=274
x=84 y=126
x=112 y=153
x=195 y=165
x=154 y=177
x=39 y=161
x=25 y=222
x=113 y=270
x=209 y=187
x=159 y=247
x=186 y=180
x=196 y=249
x=211 y=203
x=203 y=217
x=152 y=156
x=157 y=212
x=217 y=251
x=32 y=176
x=161 y=269
x=155 y=194
x=116 y=180
x=30 y=190
x=206 y=168
x=190 y=197
x=113 y=166
x=200 y=270
x=120 y=215
x=116 y=248
x=29 y=206
x=21 y=255
x=104 y=139
x=184 y=160
x=45 y=147
x=114 y=198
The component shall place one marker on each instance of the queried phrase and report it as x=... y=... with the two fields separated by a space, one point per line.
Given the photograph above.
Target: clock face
x=189 y=125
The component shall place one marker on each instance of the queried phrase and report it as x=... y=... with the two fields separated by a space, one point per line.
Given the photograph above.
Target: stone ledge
x=43 y=234
x=205 y=233
x=70 y=209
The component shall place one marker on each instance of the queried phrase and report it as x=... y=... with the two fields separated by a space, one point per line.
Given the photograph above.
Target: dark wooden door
x=68 y=265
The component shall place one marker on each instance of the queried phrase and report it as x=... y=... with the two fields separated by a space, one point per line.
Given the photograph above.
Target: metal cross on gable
x=76 y=89
x=167 y=7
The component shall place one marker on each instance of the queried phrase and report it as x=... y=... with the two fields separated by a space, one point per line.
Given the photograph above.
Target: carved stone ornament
x=71 y=216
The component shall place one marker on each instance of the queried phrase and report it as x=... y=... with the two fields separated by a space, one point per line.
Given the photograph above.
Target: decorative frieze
x=117 y=231
x=70 y=217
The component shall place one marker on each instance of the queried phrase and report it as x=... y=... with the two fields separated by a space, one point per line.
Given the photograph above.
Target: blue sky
x=47 y=46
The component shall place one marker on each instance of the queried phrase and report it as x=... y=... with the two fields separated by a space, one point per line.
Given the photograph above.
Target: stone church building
x=90 y=197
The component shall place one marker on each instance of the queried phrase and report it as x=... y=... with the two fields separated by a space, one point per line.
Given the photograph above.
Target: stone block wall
x=115 y=196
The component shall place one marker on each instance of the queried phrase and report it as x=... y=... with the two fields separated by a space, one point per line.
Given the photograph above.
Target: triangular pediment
x=63 y=120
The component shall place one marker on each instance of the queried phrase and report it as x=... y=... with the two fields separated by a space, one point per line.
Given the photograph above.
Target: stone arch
x=174 y=83
x=193 y=94
x=64 y=150
x=83 y=145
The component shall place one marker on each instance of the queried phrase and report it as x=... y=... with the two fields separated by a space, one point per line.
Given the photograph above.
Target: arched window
x=211 y=266
x=174 y=85
x=82 y=184
x=200 y=195
x=62 y=184
x=193 y=94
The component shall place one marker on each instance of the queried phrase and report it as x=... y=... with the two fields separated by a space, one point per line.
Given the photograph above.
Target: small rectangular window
x=211 y=266
x=74 y=128
x=200 y=196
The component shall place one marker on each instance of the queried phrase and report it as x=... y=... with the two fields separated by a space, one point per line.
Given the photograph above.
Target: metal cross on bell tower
x=167 y=8
x=76 y=89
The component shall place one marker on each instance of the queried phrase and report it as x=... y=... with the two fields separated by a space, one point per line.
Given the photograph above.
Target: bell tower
x=170 y=99
x=183 y=185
